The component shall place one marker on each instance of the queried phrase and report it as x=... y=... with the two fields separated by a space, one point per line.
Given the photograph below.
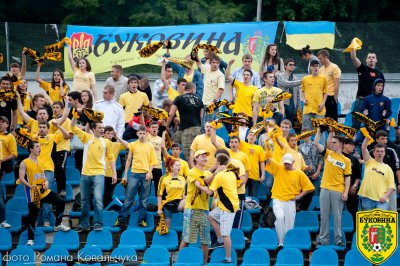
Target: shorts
x=168 y=211
x=195 y=225
x=225 y=220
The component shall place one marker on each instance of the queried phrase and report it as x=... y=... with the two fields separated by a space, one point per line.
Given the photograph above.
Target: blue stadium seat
x=109 y=219
x=22 y=256
x=354 y=258
x=101 y=239
x=393 y=260
x=87 y=253
x=73 y=176
x=55 y=256
x=190 y=256
x=115 y=203
x=177 y=222
x=307 y=220
x=298 y=238
x=264 y=238
x=223 y=133
x=8 y=179
x=39 y=240
x=353 y=242
x=48 y=229
x=254 y=211
x=289 y=257
x=4 y=190
x=133 y=238
x=5 y=240
x=237 y=238
x=19 y=205
x=70 y=160
x=324 y=257
x=118 y=164
x=256 y=257
x=68 y=240
x=124 y=254
x=247 y=223
x=218 y=255
x=156 y=256
x=133 y=222
x=168 y=241
x=332 y=244
x=347 y=222
x=22 y=152
x=314 y=205
x=262 y=192
x=19 y=191
x=152 y=191
x=14 y=219
x=152 y=200
x=119 y=192
x=77 y=214
x=348 y=119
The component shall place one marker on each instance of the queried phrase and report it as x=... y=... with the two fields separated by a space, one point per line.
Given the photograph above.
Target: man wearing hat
x=314 y=90
x=290 y=184
x=195 y=222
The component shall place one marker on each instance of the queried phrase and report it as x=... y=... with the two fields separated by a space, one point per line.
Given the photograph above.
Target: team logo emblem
x=255 y=45
x=81 y=44
x=377 y=234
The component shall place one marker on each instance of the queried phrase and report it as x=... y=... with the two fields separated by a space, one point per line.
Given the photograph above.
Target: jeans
x=269 y=181
x=137 y=184
x=46 y=209
x=91 y=184
x=2 y=206
x=369 y=204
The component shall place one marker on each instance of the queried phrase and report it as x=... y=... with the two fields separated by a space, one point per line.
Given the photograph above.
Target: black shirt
x=33 y=113
x=6 y=109
x=366 y=78
x=355 y=168
x=189 y=107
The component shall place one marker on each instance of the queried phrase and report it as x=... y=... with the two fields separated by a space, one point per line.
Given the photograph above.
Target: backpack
x=251 y=204
x=268 y=217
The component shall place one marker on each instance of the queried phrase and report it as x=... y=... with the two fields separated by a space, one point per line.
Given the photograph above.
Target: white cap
x=288 y=158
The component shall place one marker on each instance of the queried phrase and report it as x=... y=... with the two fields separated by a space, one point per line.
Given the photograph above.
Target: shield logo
x=81 y=44
x=377 y=234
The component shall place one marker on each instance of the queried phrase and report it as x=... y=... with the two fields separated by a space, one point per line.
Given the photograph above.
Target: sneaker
x=279 y=247
x=225 y=261
x=217 y=245
x=98 y=227
x=143 y=224
x=340 y=244
x=61 y=227
x=63 y=193
x=5 y=225
x=30 y=243
x=81 y=229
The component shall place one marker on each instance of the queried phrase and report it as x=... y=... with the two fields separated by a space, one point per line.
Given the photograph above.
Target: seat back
x=218 y=255
x=169 y=240
x=5 y=240
x=324 y=256
x=190 y=255
x=133 y=237
x=21 y=256
x=55 y=254
x=68 y=240
x=354 y=258
x=156 y=255
x=289 y=256
x=101 y=239
x=124 y=254
x=256 y=256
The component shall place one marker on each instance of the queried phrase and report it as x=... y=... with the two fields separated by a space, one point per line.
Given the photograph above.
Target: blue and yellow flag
x=318 y=34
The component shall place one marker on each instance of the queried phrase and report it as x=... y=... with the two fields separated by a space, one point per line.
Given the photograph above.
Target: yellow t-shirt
x=34 y=176
x=83 y=80
x=8 y=145
x=132 y=102
x=116 y=147
x=378 y=177
x=331 y=73
x=277 y=154
x=287 y=183
x=260 y=96
x=170 y=188
x=189 y=78
x=242 y=157
x=256 y=155
x=143 y=156
x=224 y=183
x=203 y=142
x=33 y=125
x=46 y=147
x=156 y=142
x=298 y=158
x=54 y=93
x=96 y=152
x=244 y=96
x=27 y=106
x=213 y=81
x=196 y=199
x=65 y=144
x=242 y=189
x=314 y=89
x=336 y=167
x=172 y=94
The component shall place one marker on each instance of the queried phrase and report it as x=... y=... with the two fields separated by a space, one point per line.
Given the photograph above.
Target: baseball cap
x=349 y=141
x=314 y=62
x=288 y=158
x=200 y=152
x=5 y=119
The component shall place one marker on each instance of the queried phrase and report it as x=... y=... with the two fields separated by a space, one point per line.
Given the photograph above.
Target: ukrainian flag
x=318 y=34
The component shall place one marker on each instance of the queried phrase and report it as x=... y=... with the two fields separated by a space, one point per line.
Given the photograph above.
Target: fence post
x=7 y=45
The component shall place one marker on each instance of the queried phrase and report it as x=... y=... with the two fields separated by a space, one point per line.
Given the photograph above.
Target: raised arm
x=364 y=150
x=71 y=59
x=21 y=110
x=228 y=75
x=23 y=65
x=256 y=109
x=356 y=61
x=65 y=133
x=214 y=139
x=37 y=76
x=120 y=140
x=319 y=147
